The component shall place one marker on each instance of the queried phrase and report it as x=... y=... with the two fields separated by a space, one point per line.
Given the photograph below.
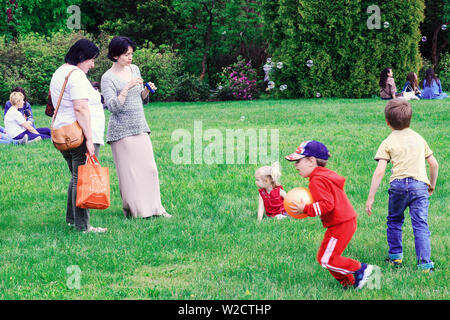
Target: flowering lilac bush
x=238 y=81
x=10 y=19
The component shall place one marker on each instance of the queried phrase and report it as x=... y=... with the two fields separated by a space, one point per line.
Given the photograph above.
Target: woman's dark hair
x=21 y=90
x=119 y=46
x=429 y=77
x=411 y=77
x=383 y=77
x=80 y=51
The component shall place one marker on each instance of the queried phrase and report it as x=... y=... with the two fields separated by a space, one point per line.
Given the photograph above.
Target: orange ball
x=295 y=195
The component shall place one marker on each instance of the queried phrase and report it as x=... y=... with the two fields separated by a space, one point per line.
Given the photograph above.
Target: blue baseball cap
x=310 y=148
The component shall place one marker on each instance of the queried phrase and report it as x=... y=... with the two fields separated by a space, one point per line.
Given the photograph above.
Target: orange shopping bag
x=93 y=185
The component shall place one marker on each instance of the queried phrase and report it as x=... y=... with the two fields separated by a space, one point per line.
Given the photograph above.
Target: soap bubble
x=317 y=94
x=444 y=27
x=283 y=87
x=267 y=68
x=269 y=60
x=280 y=65
x=271 y=85
x=309 y=63
x=424 y=39
x=242 y=118
x=220 y=88
x=386 y=25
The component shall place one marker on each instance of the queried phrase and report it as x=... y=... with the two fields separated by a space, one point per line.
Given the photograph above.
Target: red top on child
x=273 y=202
x=331 y=203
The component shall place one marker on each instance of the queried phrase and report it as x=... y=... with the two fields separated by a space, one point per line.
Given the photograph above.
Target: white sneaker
x=92 y=229
x=34 y=140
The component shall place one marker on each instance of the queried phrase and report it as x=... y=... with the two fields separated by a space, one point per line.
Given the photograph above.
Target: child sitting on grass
x=409 y=184
x=271 y=193
x=334 y=209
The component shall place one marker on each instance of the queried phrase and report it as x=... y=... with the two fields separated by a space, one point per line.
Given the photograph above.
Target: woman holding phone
x=128 y=133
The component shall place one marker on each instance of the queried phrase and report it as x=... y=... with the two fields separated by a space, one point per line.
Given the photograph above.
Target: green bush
x=426 y=64
x=443 y=72
x=162 y=66
x=31 y=62
x=347 y=56
x=190 y=88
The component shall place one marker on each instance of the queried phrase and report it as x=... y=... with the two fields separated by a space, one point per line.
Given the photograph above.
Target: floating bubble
x=220 y=88
x=424 y=39
x=309 y=63
x=224 y=32
x=280 y=65
x=267 y=67
x=283 y=87
x=269 y=60
x=242 y=118
x=444 y=27
x=271 y=85
x=317 y=94
x=386 y=25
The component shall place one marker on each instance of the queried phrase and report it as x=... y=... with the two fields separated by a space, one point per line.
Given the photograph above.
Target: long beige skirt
x=138 y=176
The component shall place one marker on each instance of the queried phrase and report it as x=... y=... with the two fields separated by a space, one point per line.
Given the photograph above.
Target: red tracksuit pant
x=330 y=252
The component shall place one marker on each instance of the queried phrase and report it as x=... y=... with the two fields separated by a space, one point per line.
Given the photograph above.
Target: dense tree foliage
x=346 y=49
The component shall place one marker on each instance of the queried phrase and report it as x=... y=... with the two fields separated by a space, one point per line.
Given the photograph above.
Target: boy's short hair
x=398 y=113
x=321 y=162
x=15 y=96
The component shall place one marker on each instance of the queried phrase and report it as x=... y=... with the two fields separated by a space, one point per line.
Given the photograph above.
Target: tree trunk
x=207 y=40
x=435 y=50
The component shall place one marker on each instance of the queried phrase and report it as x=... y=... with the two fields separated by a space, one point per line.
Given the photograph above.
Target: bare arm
x=83 y=116
x=434 y=168
x=27 y=125
x=282 y=193
x=376 y=180
x=260 y=208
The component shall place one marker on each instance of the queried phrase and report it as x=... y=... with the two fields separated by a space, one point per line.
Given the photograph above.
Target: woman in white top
x=77 y=98
x=17 y=126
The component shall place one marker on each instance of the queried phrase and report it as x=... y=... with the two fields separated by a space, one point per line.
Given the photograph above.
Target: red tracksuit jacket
x=331 y=203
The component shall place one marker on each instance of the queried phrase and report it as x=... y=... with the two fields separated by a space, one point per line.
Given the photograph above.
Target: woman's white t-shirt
x=13 y=121
x=78 y=87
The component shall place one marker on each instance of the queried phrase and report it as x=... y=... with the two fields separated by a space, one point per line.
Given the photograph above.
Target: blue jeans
x=410 y=193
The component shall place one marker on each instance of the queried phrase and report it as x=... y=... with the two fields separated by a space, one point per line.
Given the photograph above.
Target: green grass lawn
x=214 y=247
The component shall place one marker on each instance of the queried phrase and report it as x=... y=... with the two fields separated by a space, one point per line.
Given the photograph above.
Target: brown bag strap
x=61 y=95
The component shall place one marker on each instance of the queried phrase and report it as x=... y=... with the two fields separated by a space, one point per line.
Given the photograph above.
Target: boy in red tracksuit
x=334 y=209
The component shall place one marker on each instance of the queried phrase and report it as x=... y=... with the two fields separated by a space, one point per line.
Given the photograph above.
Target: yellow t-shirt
x=407 y=151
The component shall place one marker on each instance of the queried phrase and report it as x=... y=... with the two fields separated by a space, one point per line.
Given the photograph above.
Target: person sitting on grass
x=409 y=184
x=432 y=88
x=271 y=193
x=25 y=110
x=412 y=84
x=388 y=90
x=16 y=125
x=6 y=139
x=336 y=212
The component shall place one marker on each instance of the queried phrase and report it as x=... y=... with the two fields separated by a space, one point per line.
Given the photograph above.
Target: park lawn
x=214 y=248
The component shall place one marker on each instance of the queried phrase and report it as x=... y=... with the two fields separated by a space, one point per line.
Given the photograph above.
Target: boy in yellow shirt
x=409 y=184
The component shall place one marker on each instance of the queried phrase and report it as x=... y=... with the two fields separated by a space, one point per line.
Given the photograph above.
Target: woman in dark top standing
x=388 y=90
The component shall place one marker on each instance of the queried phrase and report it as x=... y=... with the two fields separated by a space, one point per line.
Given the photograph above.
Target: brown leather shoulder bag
x=66 y=137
